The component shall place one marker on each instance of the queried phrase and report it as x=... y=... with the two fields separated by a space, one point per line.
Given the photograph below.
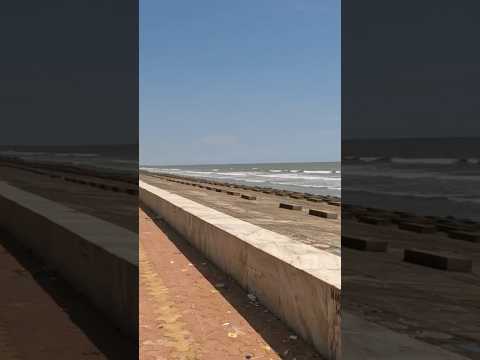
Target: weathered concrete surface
x=98 y=258
x=298 y=283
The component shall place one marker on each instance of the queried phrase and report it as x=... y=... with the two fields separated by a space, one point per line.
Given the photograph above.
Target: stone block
x=248 y=197
x=438 y=260
x=290 y=206
x=365 y=244
x=419 y=228
x=465 y=235
x=324 y=214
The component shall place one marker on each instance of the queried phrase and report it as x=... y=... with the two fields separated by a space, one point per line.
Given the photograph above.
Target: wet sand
x=43 y=318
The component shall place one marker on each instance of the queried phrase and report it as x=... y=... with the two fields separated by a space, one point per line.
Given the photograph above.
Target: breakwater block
x=290 y=206
x=293 y=196
x=218 y=190
x=464 y=235
x=321 y=213
x=248 y=197
x=334 y=203
x=438 y=260
x=364 y=244
x=234 y=193
x=373 y=220
x=419 y=228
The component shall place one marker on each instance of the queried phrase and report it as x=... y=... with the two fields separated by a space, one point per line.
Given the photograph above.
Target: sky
x=239 y=81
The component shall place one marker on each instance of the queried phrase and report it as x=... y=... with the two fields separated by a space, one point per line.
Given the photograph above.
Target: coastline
x=262 y=208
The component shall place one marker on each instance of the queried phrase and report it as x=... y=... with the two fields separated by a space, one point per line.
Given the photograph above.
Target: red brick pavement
x=190 y=310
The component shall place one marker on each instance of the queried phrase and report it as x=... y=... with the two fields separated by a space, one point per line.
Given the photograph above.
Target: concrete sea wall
x=298 y=283
x=97 y=258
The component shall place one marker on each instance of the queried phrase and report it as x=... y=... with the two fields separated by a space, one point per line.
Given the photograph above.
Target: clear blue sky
x=239 y=81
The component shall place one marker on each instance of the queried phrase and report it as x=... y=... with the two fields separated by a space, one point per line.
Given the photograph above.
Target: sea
x=439 y=177
x=322 y=178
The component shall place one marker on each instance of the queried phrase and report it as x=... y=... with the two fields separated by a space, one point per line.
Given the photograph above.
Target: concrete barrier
x=365 y=244
x=438 y=260
x=99 y=259
x=290 y=206
x=298 y=283
x=321 y=213
x=248 y=197
x=416 y=227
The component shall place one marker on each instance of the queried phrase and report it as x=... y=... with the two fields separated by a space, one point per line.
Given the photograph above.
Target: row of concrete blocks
x=314 y=212
x=434 y=259
x=243 y=196
x=331 y=200
x=467 y=232
x=102 y=186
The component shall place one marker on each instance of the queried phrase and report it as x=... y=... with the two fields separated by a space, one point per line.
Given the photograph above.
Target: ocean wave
x=319 y=171
x=298 y=177
x=423 y=196
x=234 y=173
x=369 y=158
x=425 y=161
x=75 y=155
x=255 y=181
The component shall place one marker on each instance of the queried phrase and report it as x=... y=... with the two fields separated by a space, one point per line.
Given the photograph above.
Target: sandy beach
x=265 y=211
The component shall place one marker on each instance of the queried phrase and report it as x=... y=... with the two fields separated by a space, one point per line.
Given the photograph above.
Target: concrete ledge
x=464 y=235
x=290 y=206
x=248 y=197
x=359 y=243
x=373 y=220
x=419 y=228
x=97 y=258
x=324 y=214
x=438 y=260
x=298 y=283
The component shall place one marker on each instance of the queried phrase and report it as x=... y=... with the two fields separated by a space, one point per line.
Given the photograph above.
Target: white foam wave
x=425 y=161
x=298 y=177
x=319 y=171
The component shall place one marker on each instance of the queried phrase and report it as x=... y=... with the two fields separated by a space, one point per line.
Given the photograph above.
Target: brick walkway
x=189 y=310
x=41 y=318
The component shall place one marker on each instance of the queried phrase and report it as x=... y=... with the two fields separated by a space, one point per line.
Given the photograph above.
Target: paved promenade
x=189 y=310
x=42 y=318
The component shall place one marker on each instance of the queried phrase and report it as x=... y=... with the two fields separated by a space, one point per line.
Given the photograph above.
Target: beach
x=265 y=211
